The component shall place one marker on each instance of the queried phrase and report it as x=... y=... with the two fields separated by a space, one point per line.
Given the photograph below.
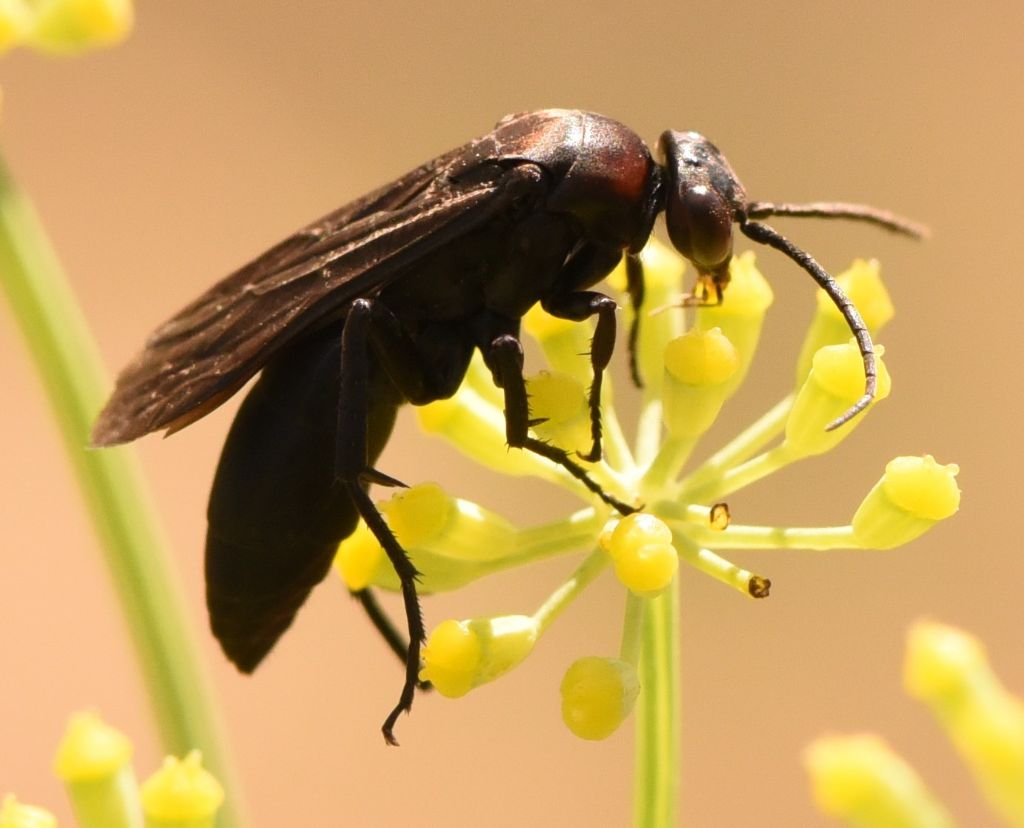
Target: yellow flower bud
x=14 y=814
x=16 y=21
x=648 y=570
x=597 y=696
x=94 y=762
x=863 y=284
x=836 y=382
x=663 y=284
x=561 y=402
x=419 y=514
x=911 y=497
x=182 y=794
x=948 y=669
x=634 y=531
x=663 y=268
x=426 y=517
x=861 y=780
x=75 y=25
x=91 y=749
x=462 y=655
x=476 y=427
x=565 y=343
x=359 y=558
x=940 y=661
x=698 y=367
x=701 y=358
x=450 y=658
x=450 y=541
x=641 y=549
x=744 y=304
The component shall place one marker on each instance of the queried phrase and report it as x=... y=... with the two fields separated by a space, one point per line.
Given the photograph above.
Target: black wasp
x=383 y=302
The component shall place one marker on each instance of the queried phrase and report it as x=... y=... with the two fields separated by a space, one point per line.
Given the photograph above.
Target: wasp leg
x=386 y=627
x=352 y=467
x=373 y=337
x=587 y=267
x=635 y=288
x=505 y=358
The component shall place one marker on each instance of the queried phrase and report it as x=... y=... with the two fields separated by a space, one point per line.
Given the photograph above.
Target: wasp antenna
x=764 y=234
x=840 y=209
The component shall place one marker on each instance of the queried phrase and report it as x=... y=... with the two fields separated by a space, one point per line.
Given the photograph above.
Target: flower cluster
x=63 y=26
x=94 y=760
x=862 y=781
x=688 y=375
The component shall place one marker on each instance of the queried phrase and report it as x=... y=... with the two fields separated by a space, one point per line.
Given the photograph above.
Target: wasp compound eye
x=700 y=225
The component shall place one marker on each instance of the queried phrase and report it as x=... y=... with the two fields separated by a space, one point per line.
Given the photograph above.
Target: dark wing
x=195 y=361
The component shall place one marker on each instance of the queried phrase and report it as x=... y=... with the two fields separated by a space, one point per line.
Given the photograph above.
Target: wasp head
x=703 y=199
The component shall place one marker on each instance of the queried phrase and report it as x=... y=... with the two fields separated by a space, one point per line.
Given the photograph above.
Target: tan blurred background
x=218 y=128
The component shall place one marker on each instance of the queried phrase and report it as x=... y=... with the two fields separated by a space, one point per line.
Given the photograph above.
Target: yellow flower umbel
x=689 y=375
x=860 y=780
x=64 y=26
x=94 y=762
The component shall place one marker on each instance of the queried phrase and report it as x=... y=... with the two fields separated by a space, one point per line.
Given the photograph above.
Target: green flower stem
x=648 y=432
x=689 y=514
x=656 y=779
x=633 y=629
x=574 y=532
x=591 y=567
x=68 y=364
x=817 y=538
x=742 y=580
x=744 y=446
x=616 y=447
x=736 y=478
x=548 y=541
x=667 y=463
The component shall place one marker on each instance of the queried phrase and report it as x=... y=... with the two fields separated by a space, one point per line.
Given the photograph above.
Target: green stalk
x=742 y=447
x=111 y=483
x=656 y=780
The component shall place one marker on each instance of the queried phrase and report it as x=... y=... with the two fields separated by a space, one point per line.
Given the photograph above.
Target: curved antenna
x=764 y=234
x=840 y=209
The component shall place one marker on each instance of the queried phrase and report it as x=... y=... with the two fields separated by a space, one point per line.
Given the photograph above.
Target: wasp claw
x=381 y=479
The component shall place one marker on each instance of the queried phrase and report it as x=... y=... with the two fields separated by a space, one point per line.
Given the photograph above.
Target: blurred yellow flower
x=863 y=782
x=64 y=26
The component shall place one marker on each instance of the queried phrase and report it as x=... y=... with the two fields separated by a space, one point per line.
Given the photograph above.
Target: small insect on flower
x=385 y=300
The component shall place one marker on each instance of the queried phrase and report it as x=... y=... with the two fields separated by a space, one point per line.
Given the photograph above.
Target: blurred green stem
x=68 y=364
